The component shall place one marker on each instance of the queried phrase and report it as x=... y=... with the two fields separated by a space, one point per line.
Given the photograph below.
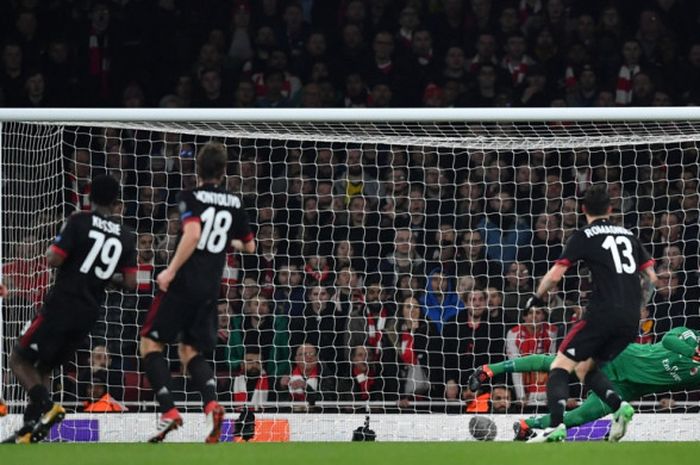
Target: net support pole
x=2 y=307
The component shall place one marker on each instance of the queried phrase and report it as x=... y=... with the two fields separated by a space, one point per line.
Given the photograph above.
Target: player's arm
x=649 y=280
x=548 y=281
x=683 y=341
x=570 y=255
x=54 y=258
x=245 y=247
x=63 y=245
x=191 y=232
x=244 y=240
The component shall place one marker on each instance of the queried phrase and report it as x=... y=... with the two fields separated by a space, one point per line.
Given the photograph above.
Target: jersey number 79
x=109 y=251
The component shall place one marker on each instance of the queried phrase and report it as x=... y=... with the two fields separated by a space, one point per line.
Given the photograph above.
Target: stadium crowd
x=382 y=272
x=349 y=53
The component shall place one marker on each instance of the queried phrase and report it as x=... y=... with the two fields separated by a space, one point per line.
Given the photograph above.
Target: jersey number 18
x=611 y=243
x=215 y=227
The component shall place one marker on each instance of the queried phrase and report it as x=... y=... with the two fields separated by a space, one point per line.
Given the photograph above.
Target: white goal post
x=505 y=181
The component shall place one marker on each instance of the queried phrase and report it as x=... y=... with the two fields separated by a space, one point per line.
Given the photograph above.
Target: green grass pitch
x=447 y=453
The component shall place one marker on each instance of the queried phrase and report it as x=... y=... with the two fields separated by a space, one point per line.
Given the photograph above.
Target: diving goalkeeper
x=641 y=369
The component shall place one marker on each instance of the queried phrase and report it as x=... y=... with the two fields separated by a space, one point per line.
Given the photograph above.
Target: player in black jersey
x=616 y=260
x=184 y=311
x=89 y=252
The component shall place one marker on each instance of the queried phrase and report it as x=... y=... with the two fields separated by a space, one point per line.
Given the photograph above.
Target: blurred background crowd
x=348 y=53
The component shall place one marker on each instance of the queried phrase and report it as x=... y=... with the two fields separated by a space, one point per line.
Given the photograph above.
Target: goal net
x=393 y=258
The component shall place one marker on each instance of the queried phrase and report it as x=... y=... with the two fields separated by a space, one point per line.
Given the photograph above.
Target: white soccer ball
x=482 y=428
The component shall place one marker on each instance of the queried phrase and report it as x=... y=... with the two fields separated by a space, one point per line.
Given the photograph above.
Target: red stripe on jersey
x=130 y=269
x=249 y=237
x=58 y=251
x=191 y=218
x=564 y=262
x=647 y=264
x=26 y=338
x=151 y=315
x=577 y=327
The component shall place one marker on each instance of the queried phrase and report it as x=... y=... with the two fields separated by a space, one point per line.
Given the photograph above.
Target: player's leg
x=591 y=409
x=594 y=379
x=526 y=364
x=42 y=347
x=163 y=323
x=557 y=395
x=204 y=381
x=158 y=374
x=200 y=337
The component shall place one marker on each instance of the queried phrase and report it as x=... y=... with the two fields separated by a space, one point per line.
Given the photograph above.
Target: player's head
x=596 y=202
x=104 y=191
x=211 y=162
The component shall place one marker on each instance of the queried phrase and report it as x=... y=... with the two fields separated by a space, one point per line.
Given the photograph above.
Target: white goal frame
x=336 y=115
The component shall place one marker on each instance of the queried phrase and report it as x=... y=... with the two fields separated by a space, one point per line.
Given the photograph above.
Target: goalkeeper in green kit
x=641 y=369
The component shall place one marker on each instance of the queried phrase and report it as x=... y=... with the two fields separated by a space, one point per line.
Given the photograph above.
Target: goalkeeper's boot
x=556 y=434
x=522 y=431
x=621 y=419
x=215 y=419
x=479 y=377
x=53 y=416
x=3 y=408
x=169 y=421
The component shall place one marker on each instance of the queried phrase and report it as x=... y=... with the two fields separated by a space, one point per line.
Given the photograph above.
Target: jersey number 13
x=612 y=244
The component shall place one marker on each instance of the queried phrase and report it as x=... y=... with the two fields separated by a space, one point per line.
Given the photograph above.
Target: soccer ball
x=482 y=428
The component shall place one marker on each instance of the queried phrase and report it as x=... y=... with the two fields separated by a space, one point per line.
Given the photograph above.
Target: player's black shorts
x=597 y=338
x=54 y=334
x=175 y=316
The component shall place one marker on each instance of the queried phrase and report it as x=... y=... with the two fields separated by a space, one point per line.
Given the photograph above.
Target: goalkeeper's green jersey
x=666 y=365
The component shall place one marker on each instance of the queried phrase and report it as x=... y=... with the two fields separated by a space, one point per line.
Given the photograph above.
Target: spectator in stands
x=362 y=230
x=468 y=337
x=322 y=326
x=471 y=259
x=356 y=181
x=631 y=53
x=412 y=340
x=259 y=327
x=518 y=284
x=501 y=229
x=440 y=302
x=310 y=380
x=252 y=385
x=167 y=240
x=100 y=374
x=362 y=375
x=368 y=327
x=545 y=247
x=533 y=336
x=288 y=296
x=501 y=399
x=12 y=78
x=274 y=96
x=671 y=305
x=668 y=232
x=404 y=260
x=27 y=275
